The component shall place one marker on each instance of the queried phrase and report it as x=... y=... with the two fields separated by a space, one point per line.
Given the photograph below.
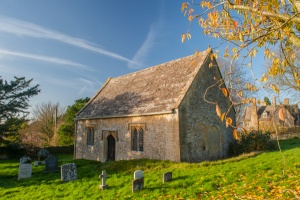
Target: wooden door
x=111 y=146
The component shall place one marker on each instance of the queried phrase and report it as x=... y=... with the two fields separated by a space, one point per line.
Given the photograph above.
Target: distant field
x=249 y=176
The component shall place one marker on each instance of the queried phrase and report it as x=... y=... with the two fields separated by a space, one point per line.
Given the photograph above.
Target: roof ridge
x=155 y=66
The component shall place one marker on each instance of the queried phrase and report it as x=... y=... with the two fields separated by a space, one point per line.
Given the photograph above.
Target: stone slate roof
x=153 y=90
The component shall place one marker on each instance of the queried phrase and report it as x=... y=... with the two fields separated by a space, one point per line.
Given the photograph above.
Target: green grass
x=249 y=176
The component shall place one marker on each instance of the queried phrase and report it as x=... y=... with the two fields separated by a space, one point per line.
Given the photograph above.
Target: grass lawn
x=249 y=176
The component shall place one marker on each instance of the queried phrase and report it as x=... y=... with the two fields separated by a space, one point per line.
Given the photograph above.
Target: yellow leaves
x=235 y=134
x=219 y=113
x=264 y=78
x=275 y=88
x=240 y=93
x=190 y=18
x=222 y=116
x=225 y=91
x=241 y=37
x=281 y=114
x=210 y=65
x=267 y=53
x=228 y=122
x=226 y=54
x=251 y=87
x=184 y=6
x=253 y=53
x=218 y=110
x=185 y=36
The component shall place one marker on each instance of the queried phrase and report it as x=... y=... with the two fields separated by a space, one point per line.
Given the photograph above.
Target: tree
x=288 y=80
x=66 y=130
x=14 y=102
x=249 y=26
x=235 y=78
x=47 y=116
x=267 y=100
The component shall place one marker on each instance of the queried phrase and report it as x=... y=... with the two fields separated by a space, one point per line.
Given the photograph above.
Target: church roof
x=153 y=90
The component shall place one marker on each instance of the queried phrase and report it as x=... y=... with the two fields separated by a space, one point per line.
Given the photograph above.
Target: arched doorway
x=213 y=144
x=111 y=146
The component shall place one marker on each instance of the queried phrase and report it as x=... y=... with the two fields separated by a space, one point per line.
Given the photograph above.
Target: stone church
x=157 y=113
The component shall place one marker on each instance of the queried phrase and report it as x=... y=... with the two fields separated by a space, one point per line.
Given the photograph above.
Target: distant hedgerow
x=252 y=141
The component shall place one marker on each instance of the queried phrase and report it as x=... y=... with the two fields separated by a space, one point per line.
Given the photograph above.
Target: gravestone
x=138 y=174
x=103 y=176
x=68 y=172
x=25 y=171
x=51 y=164
x=25 y=168
x=138 y=182
x=167 y=177
x=25 y=159
x=36 y=163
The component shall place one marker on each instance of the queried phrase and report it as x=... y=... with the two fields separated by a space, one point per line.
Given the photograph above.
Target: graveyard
x=257 y=175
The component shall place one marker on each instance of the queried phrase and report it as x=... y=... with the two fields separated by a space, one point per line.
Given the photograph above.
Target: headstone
x=68 y=172
x=167 y=177
x=25 y=159
x=36 y=163
x=137 y=184
x=51 y=164
x=138 y=174
x=103 y=176
x=25 y=170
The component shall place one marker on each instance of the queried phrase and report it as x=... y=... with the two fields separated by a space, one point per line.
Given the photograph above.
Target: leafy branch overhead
x=14 y=97
x=247 y=27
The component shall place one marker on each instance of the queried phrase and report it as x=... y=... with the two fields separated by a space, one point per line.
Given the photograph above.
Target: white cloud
x=138 y=60
x=43 y=58
x=23 y=28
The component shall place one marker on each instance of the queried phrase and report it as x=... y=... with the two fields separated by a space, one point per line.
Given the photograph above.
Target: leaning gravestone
x=51 y=164
x=25 y=168
x=167 y=177
x=68 y=172
x=138 y=182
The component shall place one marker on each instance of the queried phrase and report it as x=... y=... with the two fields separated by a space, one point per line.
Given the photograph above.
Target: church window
x=137 y=139
x=90 y=135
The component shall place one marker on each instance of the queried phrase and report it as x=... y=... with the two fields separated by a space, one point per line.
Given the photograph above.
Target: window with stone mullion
x=137 y=135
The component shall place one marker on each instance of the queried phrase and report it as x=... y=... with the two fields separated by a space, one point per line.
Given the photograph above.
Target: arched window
x=90 y=135
x=134 y=139
x=137 y=135
x=141 y=139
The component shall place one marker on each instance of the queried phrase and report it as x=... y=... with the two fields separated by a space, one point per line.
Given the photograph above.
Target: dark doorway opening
x=111 y=146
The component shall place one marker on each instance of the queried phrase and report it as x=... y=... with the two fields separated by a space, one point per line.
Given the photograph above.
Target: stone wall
x=161 y=138
x=203 y=136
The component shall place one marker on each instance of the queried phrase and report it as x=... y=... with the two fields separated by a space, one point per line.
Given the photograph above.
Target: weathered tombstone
x=51 y=164
x=167 y=177
x=36 y=163
x=138 y=174
x=25 y=168
x=68 y=172
x=138 y=182
x=25 y=159
x=103 y=176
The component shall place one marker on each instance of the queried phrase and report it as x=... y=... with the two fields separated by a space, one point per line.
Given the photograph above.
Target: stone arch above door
x=104 y=138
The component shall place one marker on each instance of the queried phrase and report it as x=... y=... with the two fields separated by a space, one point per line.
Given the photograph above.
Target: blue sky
x=71 y=47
